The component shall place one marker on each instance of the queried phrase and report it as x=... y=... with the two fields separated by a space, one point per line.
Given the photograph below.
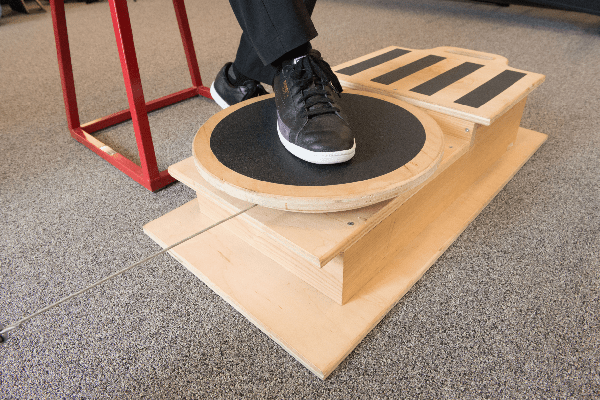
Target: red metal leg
x=188 y=44
x=125 y=115
x=147 y=174
x=65 y=67
x=133 y=84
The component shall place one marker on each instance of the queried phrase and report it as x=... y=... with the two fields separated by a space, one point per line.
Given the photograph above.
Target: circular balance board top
x=397 y=148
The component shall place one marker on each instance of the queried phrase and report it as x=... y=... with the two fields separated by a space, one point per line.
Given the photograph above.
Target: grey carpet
x=511 y=310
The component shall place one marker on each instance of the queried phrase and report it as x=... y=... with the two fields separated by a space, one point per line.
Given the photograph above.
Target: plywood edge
x=484 y=114
x=288 y=347
x=185 y=171
x=460 y=147
x=518 y=99
x=157 y=225
x=321 y=199
x=324 y=203
x=429 y=245
x=526 y=144
x=327 y=280
x=180 y=171
x=383 y=292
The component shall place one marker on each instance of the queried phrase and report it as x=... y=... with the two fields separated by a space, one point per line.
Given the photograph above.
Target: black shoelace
x=254 y=89
x=314 y=75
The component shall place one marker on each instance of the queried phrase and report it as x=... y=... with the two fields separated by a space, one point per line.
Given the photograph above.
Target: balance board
x=326 y=255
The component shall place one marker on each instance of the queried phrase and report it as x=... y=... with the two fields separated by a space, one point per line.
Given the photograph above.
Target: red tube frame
x=146 y=174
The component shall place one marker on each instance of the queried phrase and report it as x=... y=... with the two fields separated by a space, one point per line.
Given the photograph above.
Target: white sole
x=218 y=99
x=332 y=157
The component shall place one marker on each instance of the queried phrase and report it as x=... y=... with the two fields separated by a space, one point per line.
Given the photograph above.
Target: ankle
x=235 y=77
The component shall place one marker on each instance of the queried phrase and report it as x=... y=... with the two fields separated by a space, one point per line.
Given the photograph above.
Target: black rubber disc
x=387 y=137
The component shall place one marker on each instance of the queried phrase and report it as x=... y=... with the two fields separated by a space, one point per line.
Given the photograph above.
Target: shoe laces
x=314 y=75
x=254 y=89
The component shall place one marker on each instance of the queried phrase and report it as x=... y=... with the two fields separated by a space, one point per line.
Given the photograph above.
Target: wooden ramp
x=317 y=283
x=471 y=85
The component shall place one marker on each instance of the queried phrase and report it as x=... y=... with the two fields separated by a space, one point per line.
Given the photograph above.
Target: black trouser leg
x=271 y=29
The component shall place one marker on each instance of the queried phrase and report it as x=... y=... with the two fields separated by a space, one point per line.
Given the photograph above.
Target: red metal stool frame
x=147 y=174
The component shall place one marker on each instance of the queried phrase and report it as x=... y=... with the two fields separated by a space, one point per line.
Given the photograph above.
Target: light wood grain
x=308 y=245
x=444 y=100
x=310 y=236
x=453 y=126
x=100 y=145
x=367 y=256
x=315 y=330
x=321 y=198
x=351 y=256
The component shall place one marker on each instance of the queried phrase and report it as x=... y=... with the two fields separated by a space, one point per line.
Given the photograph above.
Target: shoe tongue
x=303 y=67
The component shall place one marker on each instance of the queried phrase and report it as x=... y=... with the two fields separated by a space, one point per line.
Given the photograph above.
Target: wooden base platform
x=317 y=283
x=310 y=326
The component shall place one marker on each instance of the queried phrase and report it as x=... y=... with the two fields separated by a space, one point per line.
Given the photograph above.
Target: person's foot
x=310 y=124
x=227 y=94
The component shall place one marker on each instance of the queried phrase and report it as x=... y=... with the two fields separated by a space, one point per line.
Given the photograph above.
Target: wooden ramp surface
x=314 y=329
x=473 y=86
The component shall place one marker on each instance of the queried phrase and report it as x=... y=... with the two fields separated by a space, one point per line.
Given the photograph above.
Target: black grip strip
x=373 y=62
x=446 y=79
x=406 y=70
x=492 y=88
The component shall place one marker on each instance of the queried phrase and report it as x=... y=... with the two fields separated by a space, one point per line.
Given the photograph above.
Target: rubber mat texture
x=387 y=138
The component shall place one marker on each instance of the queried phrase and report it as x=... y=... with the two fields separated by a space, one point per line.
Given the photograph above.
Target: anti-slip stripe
x=446 y=79
x=490 y=89
x=406 y=70
x=373 y=62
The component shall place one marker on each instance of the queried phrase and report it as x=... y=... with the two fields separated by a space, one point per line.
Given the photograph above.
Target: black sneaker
x=310 y=124
x=226 y=94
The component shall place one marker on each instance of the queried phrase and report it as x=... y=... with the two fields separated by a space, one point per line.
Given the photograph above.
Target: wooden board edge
x=318 y=199
x=518 y=99
x=349 y=82
x=393 y=205
x=238 y=307
x=182 y=171
x=514 y=163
